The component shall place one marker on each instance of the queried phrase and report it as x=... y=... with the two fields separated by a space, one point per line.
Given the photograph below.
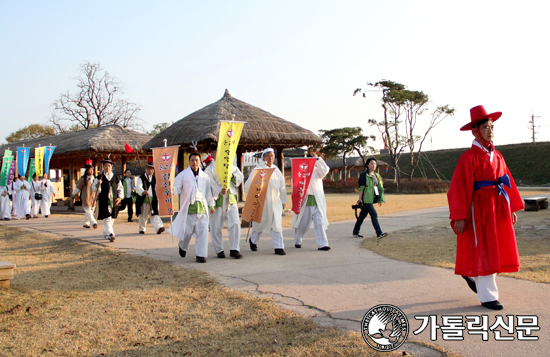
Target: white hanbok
x=36 y=187
x=228 y=212
x=108 y=222
x=192 y=188
x=146 y=211
x=5 y=210
x=21 y=198
x=272 y=216
x=47 y=191
x=313 y=216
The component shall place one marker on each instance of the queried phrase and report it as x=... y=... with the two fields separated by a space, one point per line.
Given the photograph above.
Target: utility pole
x=532 y=126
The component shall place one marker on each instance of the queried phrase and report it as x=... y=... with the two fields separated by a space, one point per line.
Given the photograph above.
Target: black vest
x=103 y=197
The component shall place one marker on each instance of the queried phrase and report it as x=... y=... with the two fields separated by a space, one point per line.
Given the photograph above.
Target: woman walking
x=371 y=191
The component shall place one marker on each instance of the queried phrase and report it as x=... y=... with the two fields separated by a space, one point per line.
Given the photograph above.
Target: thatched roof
x=91 y=143
x=262 y=129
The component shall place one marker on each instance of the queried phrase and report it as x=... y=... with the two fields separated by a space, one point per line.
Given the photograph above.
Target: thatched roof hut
x=262 y=129
x=74 y=148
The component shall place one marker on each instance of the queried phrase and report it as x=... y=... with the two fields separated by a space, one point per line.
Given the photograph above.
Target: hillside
x=528 y=163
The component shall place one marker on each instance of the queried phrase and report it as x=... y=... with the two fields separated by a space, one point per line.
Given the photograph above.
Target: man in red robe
x=483 y=199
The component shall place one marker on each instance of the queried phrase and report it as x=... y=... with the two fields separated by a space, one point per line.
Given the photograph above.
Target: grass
x=72 y=298
x=532 y=234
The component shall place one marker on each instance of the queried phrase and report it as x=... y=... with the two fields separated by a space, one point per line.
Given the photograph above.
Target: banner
x=6 y=166
x=255 y=200
x=48 y=152
x=8 y=153
x=32 y=169
x=302 y=169
x=230 y=134
x=11 y=174
x=164 y=159
x=38 y=161
x=22 y=160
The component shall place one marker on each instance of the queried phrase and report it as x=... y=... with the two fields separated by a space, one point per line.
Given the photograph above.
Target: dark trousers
x=368 y=208
x=127 y=202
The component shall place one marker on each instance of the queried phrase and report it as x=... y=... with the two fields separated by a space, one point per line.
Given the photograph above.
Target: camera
x=357 y=206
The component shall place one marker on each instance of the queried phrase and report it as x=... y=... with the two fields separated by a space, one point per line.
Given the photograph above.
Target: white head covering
x=266 y=151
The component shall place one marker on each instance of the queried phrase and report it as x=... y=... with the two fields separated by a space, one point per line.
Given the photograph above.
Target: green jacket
x=366 y=185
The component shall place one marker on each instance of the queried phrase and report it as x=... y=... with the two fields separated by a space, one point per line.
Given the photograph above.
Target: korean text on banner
x=12 y=172
x=230 y=134
x=255 y=200
x=32 y=169
x=6 y=166
x=22 y=160
x=164 y=159
x=48 y=152
x=302 y=169
x=39 y=161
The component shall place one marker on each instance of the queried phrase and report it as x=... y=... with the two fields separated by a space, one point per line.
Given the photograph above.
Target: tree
x=342 y=141
x=397 y=101
x=158 y=128
x=32 y=131
x=98 y=102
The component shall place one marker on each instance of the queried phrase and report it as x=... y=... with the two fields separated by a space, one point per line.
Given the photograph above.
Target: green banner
x=8 y=153
x=6 y=165
x=32 y=170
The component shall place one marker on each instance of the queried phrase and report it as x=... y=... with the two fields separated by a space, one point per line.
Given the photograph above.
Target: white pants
x=231 y=217
x=486 y=288
x=276 y=237
x=5 y=207
x=144 y=217
x=35 y=206
x=311 y=213
x=108 y=226
x=196 y=224
x=89 y=219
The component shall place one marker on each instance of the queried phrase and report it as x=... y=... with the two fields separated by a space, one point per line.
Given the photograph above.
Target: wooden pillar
x=71 y=184
x=240 y=164
x=123 y=161
x=181 y=155
x=280 y=159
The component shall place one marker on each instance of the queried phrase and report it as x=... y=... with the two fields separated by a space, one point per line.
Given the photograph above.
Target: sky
x=299 y=60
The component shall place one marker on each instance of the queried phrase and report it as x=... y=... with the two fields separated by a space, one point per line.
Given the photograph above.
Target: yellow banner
x=255 y=199
x=39 y=161
x=230 y=134
x=164 y=160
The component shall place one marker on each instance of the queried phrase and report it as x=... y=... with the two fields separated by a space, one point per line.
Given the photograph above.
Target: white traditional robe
x=5 y=209
x=36 y=187
x=11 y=190
x=21 y=198
x=313 y=216
x=228 y=213
x=187 y=186
x=109 y=221
x=272 y=215
x=47 y=191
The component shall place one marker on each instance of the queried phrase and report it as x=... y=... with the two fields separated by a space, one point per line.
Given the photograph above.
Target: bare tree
x=97 y=102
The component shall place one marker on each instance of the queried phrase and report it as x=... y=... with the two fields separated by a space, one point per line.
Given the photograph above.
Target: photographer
x=371 y=191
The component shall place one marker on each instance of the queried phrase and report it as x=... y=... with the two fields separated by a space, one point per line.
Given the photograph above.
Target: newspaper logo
x=385 y=328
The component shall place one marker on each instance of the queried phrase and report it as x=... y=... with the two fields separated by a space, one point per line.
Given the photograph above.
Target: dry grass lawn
x=436 y=245
x=72 y=298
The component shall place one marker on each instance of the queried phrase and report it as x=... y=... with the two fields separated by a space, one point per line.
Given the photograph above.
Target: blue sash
x=499 y=183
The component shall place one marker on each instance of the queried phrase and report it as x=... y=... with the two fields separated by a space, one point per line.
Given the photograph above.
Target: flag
x=38 y=161
x=164 y=159
x=8 y=153
x=22 y=160
x=48 y=153
x=6 y=166
x=230 y=134
x=302 y=169
x=12 y=172
x=255 y=200
x=32 y=168
x=128 y=148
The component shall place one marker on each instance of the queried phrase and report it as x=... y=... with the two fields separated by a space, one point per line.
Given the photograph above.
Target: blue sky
x=300 y=60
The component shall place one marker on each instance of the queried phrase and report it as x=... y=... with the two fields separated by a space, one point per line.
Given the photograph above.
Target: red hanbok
x=488 y=242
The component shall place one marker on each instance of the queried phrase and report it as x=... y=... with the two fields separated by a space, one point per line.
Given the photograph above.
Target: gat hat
x=88 y=165
x=478 y=114
x=150 y=163
x=107 y=160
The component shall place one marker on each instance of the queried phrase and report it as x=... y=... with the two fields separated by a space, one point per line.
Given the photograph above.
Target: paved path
x=337 y=287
